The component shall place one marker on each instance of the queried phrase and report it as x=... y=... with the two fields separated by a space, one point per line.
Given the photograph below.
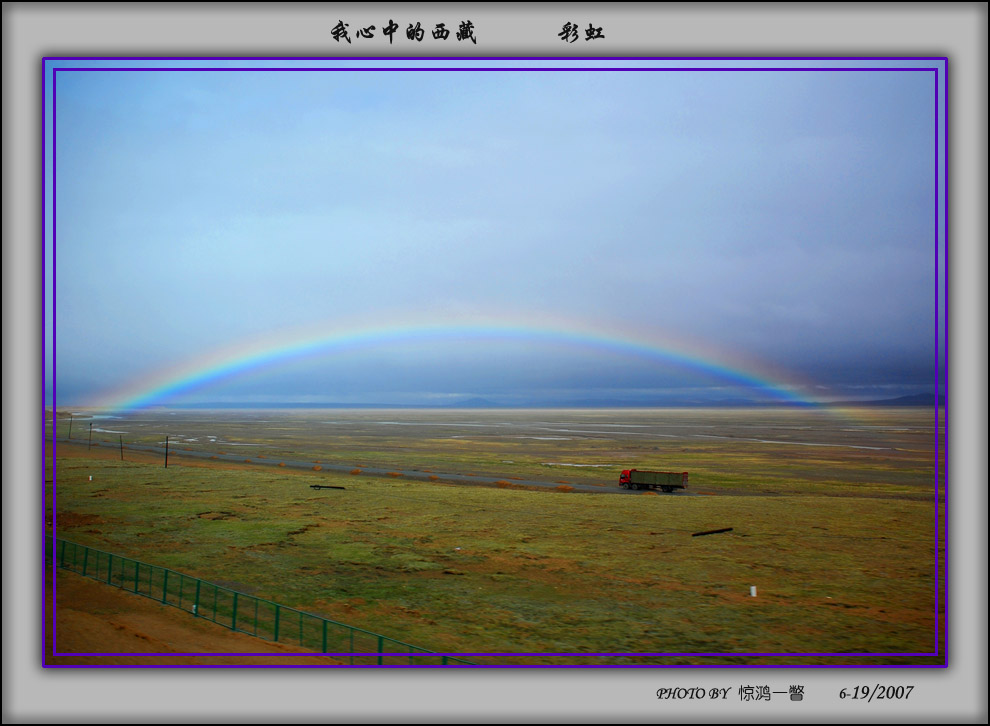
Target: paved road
x=369 y=471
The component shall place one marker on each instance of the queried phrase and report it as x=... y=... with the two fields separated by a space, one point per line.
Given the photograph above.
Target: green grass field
x=840 y=543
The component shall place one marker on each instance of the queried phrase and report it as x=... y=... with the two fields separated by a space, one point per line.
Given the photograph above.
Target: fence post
x=85 y=559
x=137 y=571
x=233 y=615
x=61 y=555
x=110 y=570
x=165 y=588
x=196 y=604
x=381 y=647
x=278 y=614
x=324 y=636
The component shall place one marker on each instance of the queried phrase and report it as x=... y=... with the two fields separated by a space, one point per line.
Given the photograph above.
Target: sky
x=779 y=224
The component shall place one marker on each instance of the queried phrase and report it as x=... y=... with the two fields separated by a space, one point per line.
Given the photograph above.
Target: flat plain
x=834 y=518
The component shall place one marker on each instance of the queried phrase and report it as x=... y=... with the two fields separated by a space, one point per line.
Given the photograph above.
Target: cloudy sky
x=781 y=223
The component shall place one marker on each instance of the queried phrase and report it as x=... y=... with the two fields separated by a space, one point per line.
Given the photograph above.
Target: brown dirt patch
x=92 y=617
x=509 y=485
x=74 y=519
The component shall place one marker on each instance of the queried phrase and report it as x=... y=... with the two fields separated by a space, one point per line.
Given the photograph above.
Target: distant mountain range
x=920 y=399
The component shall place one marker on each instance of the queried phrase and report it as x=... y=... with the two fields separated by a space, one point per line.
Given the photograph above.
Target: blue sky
x=781 y=217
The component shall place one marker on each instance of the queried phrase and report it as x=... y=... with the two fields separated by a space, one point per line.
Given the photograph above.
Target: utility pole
x=121 y=437
x=166 y=452
x=90 y=438
x=70 y=425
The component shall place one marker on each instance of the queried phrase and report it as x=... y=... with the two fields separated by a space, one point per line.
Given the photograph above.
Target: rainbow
x=262 y=354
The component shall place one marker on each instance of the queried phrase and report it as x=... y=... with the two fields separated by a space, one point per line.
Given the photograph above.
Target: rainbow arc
x=226 y=364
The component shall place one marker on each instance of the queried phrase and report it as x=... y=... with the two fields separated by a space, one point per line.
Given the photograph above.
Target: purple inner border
x=942 y=381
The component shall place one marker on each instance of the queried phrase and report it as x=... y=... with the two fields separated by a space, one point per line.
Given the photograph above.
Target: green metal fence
x=242 y=612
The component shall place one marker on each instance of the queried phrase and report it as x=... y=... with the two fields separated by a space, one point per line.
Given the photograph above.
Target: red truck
x=666 y=481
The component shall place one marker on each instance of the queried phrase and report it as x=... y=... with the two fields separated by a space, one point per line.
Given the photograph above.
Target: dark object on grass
x=324 y=486
x=712 y=531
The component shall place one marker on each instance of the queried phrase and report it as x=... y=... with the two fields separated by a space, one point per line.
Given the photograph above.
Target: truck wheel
x=668 y=489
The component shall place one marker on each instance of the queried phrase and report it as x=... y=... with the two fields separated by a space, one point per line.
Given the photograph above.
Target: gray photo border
x=31 y=32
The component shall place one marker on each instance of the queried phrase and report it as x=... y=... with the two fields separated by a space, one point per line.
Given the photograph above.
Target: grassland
x=835 y=525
